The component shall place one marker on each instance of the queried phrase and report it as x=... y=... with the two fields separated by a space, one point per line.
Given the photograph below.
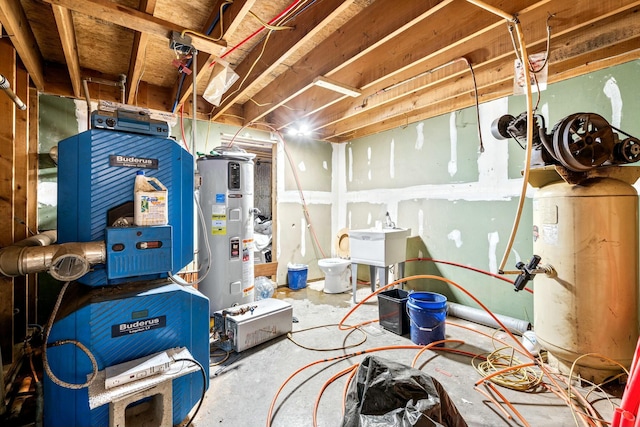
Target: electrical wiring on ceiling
x=189 y=62
x=365 y=101
x=259 y=30
x=290 y=13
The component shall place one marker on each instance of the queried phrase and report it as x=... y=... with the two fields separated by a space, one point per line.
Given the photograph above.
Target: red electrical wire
x=509 y=404
x=341 y=357
x=256 y=32
x=351 y=369
x=589 y=417
x=477 y=270
x=523 y=350
x=184 y=138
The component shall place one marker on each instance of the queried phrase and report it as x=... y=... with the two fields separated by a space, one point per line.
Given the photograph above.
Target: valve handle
x=527 y=272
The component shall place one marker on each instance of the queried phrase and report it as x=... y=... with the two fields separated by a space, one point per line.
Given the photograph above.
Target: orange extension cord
x=589 y=419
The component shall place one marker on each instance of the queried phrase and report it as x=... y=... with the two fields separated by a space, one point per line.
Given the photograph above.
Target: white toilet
x=337 y=274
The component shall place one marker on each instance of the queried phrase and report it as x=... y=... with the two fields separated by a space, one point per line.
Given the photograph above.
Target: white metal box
x=269 y=319
x=379 y=248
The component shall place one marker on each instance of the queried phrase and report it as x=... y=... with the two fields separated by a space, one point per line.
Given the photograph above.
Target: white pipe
x=4 y=85
x=476 y=315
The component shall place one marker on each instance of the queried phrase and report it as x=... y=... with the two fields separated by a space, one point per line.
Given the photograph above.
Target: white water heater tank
x=226 y=198
x=588 y=232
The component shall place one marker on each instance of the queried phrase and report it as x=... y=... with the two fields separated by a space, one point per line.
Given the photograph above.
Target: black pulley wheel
x=628 y=151
x=583 y=141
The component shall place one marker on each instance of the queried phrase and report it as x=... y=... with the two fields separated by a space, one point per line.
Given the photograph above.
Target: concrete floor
x=242 y=388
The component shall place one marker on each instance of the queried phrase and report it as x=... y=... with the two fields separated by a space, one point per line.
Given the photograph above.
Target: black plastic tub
x=392 y=311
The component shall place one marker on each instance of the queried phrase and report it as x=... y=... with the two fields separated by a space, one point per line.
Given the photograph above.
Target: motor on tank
x=579 y=142
x=589 y=260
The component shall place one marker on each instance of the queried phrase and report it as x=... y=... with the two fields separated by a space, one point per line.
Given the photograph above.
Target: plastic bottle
x=150 y=201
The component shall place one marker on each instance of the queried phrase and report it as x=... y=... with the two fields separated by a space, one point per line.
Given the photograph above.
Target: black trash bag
x=390 y=394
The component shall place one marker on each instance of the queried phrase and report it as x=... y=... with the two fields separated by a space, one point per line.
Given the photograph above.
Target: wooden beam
x=64 y=22
x=233 y=14
x=32 y=193
x=16 y=25
x=496 y=86
x=136 y=20
x=492 y=43
x=138 y=52
x=326 y=59
x=282 y=44
x=7 y=141
x=402 y=58
x=21 y=203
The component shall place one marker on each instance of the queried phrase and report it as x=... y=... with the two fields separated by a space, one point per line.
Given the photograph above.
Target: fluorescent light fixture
x=246 y=141
x=336 y=86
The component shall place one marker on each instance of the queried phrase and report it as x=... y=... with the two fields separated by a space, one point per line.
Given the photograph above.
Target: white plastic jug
x=150 y=201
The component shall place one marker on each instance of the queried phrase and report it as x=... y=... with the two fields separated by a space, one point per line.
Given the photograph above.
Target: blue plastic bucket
x=297 y=276
x=427 y=313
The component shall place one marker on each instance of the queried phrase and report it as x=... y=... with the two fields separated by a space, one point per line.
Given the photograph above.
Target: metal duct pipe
x=65 y=262
x=53 y=152
x=4 y=85
x=476 y=315
x=45 y=238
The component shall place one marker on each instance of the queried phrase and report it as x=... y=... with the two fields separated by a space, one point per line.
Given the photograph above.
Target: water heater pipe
x=476 y=315
x=4 y=85
x=65 y=262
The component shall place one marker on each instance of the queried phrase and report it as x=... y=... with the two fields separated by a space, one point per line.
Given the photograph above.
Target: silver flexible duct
x=477 y=315
x=4 y=85
x=65 y=262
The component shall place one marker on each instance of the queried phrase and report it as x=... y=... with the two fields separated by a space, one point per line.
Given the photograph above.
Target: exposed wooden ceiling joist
x=259 y=63
x=222 y=12
x=138 y=52
x=136 y=20
x=406 y=58
x=17 y=27
x=64 y=21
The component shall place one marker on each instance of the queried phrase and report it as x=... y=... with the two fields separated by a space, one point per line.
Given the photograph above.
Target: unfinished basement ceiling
x=408 y=60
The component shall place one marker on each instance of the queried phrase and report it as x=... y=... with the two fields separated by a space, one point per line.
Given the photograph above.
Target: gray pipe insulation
x=65 y=262
x=477 y=315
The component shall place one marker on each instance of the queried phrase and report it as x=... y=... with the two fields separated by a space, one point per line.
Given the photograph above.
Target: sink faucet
x=389 y=224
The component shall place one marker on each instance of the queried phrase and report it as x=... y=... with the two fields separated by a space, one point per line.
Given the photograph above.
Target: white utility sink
x=378 y=247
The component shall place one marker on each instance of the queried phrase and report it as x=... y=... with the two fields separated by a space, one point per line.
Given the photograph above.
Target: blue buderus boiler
x=96 y=173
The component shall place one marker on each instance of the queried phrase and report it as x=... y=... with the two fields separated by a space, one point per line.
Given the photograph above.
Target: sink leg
x=354 y=280
x=373 y=273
